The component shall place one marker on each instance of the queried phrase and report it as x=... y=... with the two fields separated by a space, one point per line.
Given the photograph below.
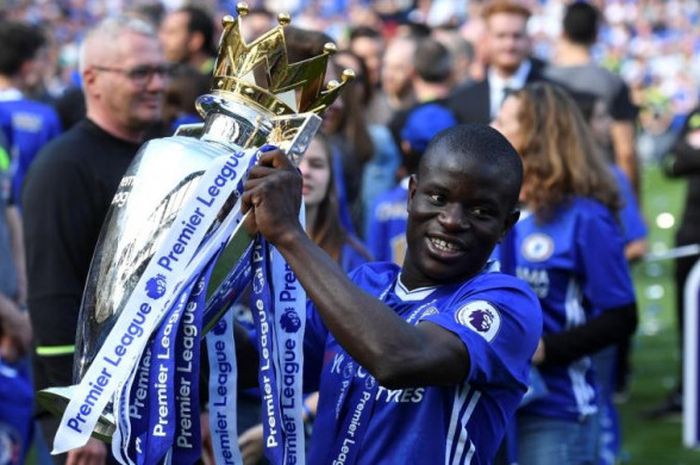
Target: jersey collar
x=417 y=294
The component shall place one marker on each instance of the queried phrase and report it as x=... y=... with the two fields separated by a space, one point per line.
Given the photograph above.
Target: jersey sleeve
x=500 y=326
x=603 y=268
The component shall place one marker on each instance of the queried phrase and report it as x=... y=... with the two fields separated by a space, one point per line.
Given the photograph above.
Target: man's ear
x=88 y=77
x=412 y=184
x=511 y=219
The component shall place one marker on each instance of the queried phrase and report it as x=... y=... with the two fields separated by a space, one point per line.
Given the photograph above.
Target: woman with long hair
x=568 y=246
x=321 y=202
x=365 y=155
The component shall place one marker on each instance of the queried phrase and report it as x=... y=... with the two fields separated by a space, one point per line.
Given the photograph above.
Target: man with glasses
x=69 y=189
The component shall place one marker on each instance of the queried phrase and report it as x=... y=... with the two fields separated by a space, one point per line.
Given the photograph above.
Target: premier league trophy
x=177 y=201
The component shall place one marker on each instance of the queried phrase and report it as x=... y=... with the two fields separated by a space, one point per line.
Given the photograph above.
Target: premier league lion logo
x=258 y=282
x=290 y=321
x=220 y=327
x=155 y=287
x=481 y=317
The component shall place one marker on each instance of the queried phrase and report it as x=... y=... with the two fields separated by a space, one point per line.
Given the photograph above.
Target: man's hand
x=272 y=198
x=92 y=453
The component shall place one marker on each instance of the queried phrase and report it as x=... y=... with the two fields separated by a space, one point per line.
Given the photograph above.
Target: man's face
x=507 y=41
x=370 y=50
x=133 y=102
x=174 y=36
x=397 y=69
x=457 y=211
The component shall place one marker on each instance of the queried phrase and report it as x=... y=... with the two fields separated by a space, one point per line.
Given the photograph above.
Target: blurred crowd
x=421 y=66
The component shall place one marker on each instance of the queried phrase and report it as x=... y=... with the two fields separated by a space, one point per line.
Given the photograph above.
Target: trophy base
x=56 y=399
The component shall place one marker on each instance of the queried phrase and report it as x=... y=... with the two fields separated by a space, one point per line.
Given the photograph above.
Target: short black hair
x=581 y=23
x=202 y=22
x=364 y=31
x=487 y=147
x=432 y=61
x=20 y=42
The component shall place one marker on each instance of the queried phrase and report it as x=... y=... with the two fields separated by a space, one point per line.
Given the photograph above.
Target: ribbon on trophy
x=279 y=312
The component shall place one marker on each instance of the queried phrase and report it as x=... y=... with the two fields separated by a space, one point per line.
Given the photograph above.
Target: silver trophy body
x=153 y=190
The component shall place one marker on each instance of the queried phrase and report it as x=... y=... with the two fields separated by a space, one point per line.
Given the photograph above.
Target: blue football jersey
x=33 y=124
x=386 y=227
x=575 y=264
x=499 y=321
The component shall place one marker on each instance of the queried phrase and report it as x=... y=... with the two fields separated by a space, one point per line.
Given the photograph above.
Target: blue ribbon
x=188 y=440
x=268 y=374
x=222 y=392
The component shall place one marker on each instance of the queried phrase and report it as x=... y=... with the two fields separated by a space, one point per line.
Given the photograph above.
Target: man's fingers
x=274 y=159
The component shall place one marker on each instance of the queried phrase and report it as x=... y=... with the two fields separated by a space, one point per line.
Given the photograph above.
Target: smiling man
x=69 y=189
x=425 y=363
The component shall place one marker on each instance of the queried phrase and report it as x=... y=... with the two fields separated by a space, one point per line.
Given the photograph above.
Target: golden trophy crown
x=259 y=74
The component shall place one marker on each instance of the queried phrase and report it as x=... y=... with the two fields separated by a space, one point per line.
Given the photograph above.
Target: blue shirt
x=16 y=409
x=633 y=225
x=499 y=321
x=575 y=264
x=386 y=226
x=350 y=257
x=33 y=124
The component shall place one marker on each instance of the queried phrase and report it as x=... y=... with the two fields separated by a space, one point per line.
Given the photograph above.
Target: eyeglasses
x=141 y=74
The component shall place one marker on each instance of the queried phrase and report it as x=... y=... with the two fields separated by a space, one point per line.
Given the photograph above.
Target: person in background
x=187 y=36
x=432 y=80
x=16 y=393
x=570 y=249
x=70 y=187
x=683 y=161
x=509 y=63
x=612 y=364
x=368 y=44
x=462 y=52
x=574 y=68
x=397 y=72
x=184 y=87
x=32 y=123
x=595 y=113
x=365 y=155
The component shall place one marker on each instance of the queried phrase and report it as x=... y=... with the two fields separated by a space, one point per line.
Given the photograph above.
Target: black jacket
x=471 y=102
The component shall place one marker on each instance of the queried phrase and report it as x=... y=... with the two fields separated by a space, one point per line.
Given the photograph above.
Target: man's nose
x=453 y=217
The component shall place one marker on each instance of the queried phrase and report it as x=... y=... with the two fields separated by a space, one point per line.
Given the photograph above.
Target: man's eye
x=436 y=198
x=480 y=212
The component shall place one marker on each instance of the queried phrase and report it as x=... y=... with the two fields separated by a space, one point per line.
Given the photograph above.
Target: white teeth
x=444 y=245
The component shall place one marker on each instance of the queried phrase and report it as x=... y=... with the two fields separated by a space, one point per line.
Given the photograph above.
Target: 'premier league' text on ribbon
x=227 y=174
x=289 y=308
